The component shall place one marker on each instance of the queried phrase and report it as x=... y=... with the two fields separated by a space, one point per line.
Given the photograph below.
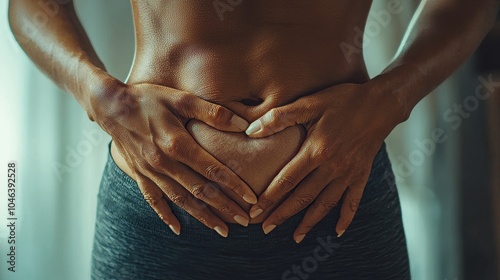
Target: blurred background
x=450 y=189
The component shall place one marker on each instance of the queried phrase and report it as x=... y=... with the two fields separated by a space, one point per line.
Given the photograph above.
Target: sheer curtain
x=426 y=171
x=61 y=154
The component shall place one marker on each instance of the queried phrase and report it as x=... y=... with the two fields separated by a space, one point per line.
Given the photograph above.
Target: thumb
x=277 y=119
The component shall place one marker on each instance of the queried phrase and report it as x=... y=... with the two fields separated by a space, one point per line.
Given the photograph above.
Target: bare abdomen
x=256 y=161
x=250 y=63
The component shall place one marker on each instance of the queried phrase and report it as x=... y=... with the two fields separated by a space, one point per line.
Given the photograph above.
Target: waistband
x=124 y=191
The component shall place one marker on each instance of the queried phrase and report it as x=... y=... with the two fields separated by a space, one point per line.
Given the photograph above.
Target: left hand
x=346 y=126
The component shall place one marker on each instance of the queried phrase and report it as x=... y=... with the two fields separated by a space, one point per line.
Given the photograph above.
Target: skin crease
x=284 y=54
x=257 y=161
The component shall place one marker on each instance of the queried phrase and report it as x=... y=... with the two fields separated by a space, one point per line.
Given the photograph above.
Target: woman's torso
x=274 y=51
x=249 y=56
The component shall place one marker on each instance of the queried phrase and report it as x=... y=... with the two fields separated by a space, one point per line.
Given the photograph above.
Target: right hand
x=147 y=124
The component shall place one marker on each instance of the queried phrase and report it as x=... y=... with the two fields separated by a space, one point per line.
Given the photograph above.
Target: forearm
x=60 y=48
x=442 y=35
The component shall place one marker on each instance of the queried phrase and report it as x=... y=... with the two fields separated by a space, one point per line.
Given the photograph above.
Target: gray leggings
x=131 y=242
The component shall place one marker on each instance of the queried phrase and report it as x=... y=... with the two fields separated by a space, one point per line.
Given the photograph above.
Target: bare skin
x=256 y=161
x=274 y=64
x=249 y=63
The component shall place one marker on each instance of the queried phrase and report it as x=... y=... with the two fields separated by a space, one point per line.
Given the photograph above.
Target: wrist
x=392 y=107
x=399 y=88
x=101 y=91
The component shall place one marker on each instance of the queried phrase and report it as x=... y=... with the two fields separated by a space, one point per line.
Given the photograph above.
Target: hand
x=346 y=126
x=147 y=124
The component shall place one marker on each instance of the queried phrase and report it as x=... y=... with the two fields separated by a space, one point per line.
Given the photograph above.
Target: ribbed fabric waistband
x=121 y=193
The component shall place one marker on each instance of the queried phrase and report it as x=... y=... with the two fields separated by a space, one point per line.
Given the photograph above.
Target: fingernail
x=238 y=122
x=256 y=212
x=300 y=238
x=177 y=232
x=254 y=127
x=221 y=231
x=340 y=233
x=241 y=220
x=269 y=228
x=250 y=199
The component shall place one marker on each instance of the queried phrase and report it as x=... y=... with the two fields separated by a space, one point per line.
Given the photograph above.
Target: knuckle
x=153 y=200
x=223 y=208
x=354 y=204
x=173 y=145
x=303 y=201
x=266 y=202
x=214 y=190
x=198 y=204
x=329 y=205
x=320 y=152
x=219 y=114
x=325 y=206
x=155 y=159
x=161 y=216
x=286 y=183
x=179 y=200
x=276 y=115
x=237 y=188
x=203 y=219
x=199 y=191
x=214 y=172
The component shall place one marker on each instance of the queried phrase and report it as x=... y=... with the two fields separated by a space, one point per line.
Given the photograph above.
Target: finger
x=324 y=203
x=303 y=195
x=184 y=148
x=182 y=198
x=205 y=191
x=277 y=119
x=219 y=117
x=349 y=207
x=296 y=170
x=154 y=196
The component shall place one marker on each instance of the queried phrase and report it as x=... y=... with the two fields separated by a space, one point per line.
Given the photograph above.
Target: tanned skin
x=198 y=80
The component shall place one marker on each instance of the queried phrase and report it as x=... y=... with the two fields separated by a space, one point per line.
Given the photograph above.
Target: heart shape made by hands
x=256 y=161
